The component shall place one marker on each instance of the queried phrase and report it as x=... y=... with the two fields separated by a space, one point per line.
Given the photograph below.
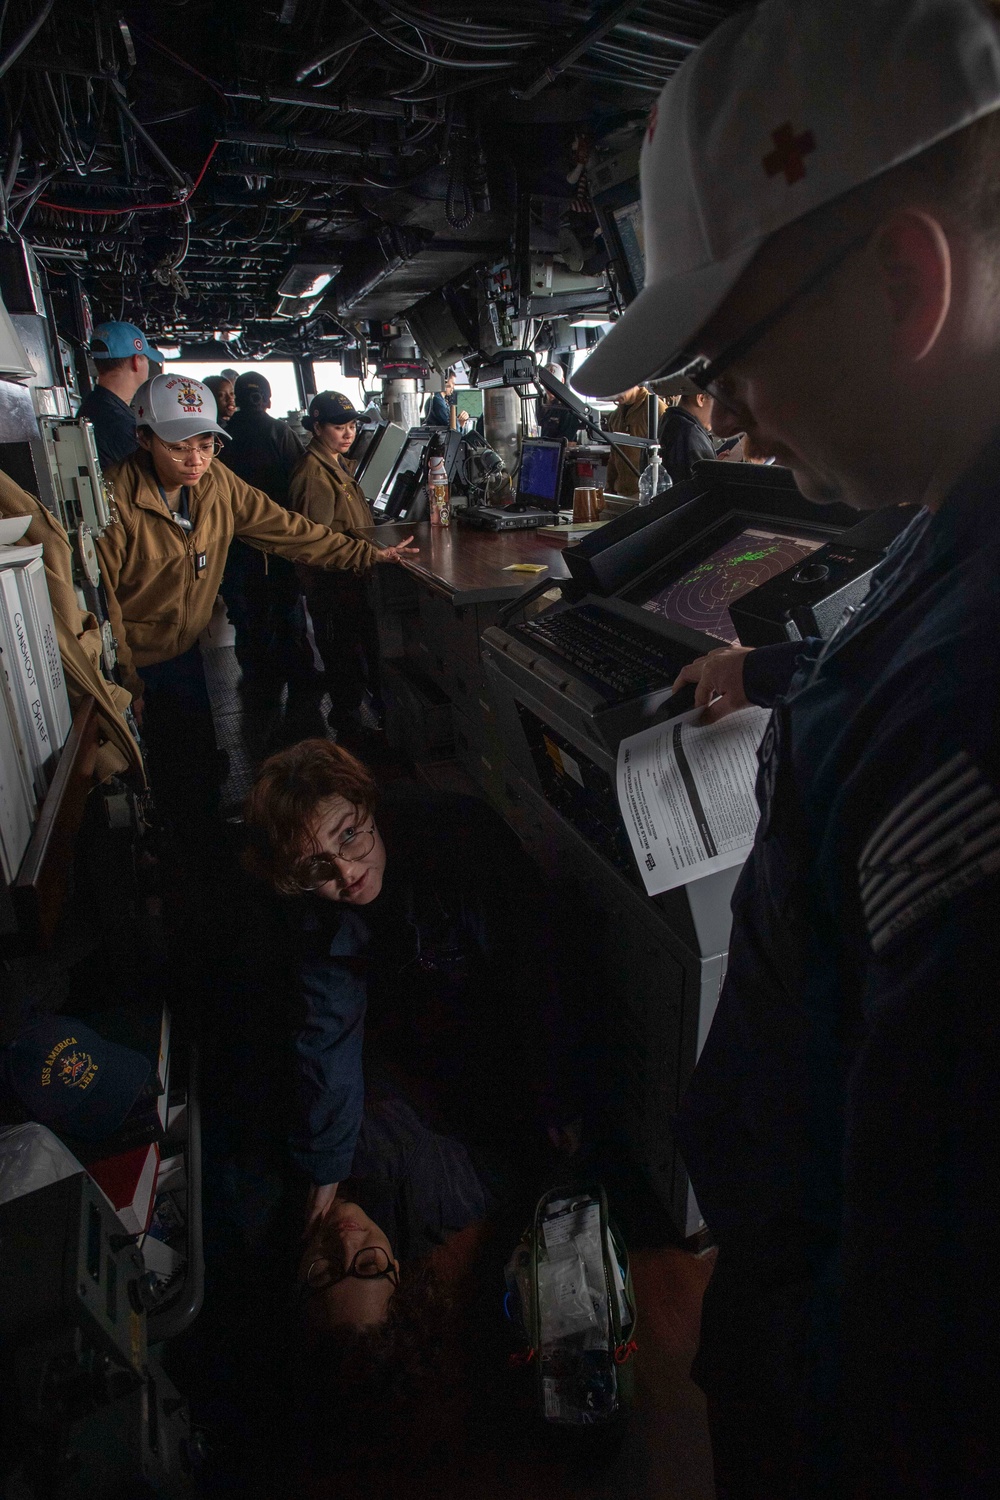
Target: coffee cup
x=586 y=504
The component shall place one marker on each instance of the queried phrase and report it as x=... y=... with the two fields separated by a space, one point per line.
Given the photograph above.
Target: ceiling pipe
x=178 y=179
x=314 y=210
x=647 y=34
x=653 y=67
x=463 y=64
x=330 y=51
x=612 y=80
x=293 y=174
x=604 y=19
x=272 y=141
x=26 y=38
x=383 y=109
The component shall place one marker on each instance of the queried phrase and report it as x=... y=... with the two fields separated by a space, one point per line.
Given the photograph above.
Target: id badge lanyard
x=182 y=518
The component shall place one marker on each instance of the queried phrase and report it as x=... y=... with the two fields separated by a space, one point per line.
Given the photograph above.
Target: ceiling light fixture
x=307 y=279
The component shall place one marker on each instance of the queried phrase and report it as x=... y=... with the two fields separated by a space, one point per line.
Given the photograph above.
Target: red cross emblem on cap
x=654 y=114
x=789 y=151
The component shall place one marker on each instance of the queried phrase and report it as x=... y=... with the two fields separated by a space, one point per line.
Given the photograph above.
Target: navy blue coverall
x=114 y=426
x=451 y=965
x=841 y=1128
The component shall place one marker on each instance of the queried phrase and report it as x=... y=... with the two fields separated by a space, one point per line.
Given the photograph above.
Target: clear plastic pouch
x=569 y=1293
x=31 y=1157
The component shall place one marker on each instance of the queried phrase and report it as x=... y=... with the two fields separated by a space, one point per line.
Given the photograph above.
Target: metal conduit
x=605 y=17
x=390 y=109
x=647 y=34
x=274 y=142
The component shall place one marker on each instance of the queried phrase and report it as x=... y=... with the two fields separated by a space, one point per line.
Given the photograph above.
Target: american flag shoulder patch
x=939 y=840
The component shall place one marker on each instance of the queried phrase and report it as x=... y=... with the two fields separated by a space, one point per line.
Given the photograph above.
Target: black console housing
x=811 y=599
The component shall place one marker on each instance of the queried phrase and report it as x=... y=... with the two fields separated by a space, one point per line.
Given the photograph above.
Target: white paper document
x=686 y=793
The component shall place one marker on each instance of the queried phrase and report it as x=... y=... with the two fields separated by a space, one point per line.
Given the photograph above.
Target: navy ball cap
x=71 y=1079
x=332 y=407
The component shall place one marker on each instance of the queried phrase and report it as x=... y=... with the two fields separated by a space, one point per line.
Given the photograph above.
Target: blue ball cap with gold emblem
x=332 y=407
x=71 y=1079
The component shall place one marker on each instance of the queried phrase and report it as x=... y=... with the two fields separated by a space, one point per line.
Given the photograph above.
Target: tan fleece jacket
x=79 y=637
x=162 y=581
x=323 y=489
x=632 y=419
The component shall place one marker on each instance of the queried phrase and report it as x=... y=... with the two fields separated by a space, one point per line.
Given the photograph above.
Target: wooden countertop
x=468 y=565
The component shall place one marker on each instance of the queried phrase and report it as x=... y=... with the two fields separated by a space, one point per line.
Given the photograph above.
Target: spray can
x=438 y=488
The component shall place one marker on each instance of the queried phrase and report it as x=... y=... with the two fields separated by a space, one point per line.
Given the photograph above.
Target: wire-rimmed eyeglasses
x=316 y=869
x=208 y=447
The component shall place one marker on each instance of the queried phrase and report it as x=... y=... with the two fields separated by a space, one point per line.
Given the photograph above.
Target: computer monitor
x=540 y=474
x=628 y=224
x=733 y=559
x=444 y=325
x=365 y=440
x=376 y=456
x=408 y=461
x=411 y=461
x=619 y=211
x=407 y=499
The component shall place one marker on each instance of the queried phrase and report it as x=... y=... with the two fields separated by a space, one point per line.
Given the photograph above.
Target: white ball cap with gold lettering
x=176 y=407
x=784 y=108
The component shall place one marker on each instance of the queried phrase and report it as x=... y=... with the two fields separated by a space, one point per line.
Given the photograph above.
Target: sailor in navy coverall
x=450 y=967
x=841 y=1126
x=822 y=225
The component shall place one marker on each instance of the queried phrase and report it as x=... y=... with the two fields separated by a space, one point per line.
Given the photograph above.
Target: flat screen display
x=628 y=222
x=701 y=597
x=364 y=445
x=538 y=479
x=408 y=462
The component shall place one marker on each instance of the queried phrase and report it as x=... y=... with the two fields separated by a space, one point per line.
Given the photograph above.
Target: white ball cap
x=176 y=407
x=784 y=108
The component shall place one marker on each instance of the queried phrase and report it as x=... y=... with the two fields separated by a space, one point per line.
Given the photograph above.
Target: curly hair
x=284 y=799
x=376 y=1388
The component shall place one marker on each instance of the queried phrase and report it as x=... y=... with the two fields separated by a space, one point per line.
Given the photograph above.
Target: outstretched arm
x=271 y=528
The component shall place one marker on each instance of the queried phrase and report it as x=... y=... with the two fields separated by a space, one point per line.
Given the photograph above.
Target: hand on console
x=718 y=679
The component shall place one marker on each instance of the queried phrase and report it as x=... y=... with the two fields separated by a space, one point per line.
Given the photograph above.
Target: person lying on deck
x=423 y=919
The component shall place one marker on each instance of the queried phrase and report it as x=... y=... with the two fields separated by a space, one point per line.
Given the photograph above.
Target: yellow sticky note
x=525 y=568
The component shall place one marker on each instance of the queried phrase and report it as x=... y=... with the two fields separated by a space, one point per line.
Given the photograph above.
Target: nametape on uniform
x=939 y=840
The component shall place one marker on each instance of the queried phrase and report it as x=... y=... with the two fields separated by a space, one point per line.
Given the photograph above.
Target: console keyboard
x=615 y=653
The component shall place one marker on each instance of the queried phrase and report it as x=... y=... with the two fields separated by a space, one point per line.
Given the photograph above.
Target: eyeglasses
x=705 y=373
x=316 y=869
x=207 y=448
x=371 y=1263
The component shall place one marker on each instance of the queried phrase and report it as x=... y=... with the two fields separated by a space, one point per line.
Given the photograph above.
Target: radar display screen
x=701 y=597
